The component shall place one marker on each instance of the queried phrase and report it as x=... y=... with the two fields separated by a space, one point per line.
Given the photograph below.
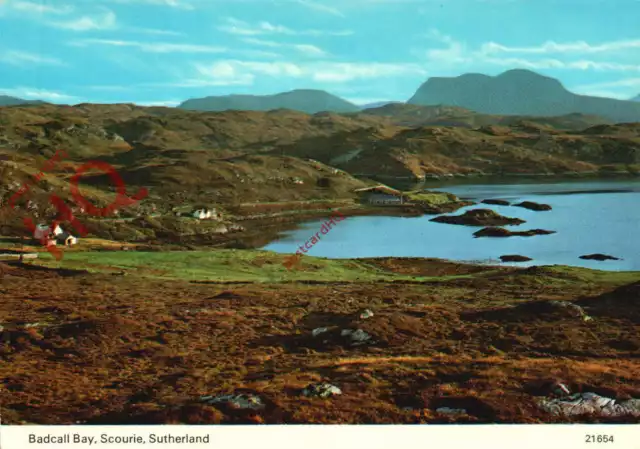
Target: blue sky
x=165 y=51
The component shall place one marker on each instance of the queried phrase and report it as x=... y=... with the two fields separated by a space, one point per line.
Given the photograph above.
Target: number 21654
x=598 y=438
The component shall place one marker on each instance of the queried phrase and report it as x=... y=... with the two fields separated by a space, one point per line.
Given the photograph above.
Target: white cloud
x=105 y=21
x=306 y=49
x=361 y=101
x=39 y=8
x=310 y=50
x=239 y=27
x=601 y=93
x=167 y=103
x=30 y=93
x=627 y=82
x=567 y=47
x=20 y=58
x=321 y=8
x=262 y=42
x=156 y=31
x=242 y=28
x=259 y=54
x=327 y=72
x=152 y=47
x=623 y=89
x=178 y=4
x=456 y=54
x=558 y=64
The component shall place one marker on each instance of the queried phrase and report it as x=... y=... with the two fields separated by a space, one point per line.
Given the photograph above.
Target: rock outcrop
x=598 y=257
x=479 y=217
x=502 y=232
x=533 y=206
x=515 y=258
x=496 y=202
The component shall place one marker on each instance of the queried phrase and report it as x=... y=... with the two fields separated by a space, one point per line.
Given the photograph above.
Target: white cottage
x=202 y=214
x=205 y=214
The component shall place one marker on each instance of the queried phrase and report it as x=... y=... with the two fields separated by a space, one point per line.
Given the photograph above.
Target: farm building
x=381 y=196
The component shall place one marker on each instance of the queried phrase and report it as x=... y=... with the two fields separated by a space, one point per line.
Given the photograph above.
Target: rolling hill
x=304 y=100
x=6 y=100
x=412 y=115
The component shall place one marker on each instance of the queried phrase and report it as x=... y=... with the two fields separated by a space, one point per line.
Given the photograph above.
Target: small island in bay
x=502 y=232
x=479 y=217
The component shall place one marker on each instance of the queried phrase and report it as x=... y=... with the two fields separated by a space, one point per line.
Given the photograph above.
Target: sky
x=162 y=52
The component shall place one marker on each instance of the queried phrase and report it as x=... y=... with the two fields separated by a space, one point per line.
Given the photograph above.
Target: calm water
x=589 y=217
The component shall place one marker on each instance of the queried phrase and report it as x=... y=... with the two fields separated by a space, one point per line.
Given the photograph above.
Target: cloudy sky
x=166 y=51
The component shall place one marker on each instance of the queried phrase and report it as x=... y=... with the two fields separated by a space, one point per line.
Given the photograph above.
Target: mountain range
x=516 y=92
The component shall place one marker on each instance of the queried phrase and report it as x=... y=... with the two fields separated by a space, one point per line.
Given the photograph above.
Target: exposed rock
x=599 y=257
x=560 y=389
x=496 y=202
x=533 y=206
x=479 y=217
x=573 y=309
x=318 y=331
x=444 y=208
x=451 y=411
x=501 y=232
x=591 y=404
x=321 y=390
x=357 y=337
x=515 y=258
x=366 y=314
x=236 y=401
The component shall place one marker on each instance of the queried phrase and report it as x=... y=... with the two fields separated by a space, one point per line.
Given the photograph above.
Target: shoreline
x=452 y=179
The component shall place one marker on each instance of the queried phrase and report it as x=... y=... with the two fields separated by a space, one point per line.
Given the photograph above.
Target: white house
x=66 y=239
x=204 y=214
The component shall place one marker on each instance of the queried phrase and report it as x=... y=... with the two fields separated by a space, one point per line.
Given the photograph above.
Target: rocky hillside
x=441 y=115
x=186 y=157
x=520 y=92
x=522 y=148
x=181 y=157
x=303 y=100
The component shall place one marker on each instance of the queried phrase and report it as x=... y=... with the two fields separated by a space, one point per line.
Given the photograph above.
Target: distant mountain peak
x=519 y=92
x=636 y=98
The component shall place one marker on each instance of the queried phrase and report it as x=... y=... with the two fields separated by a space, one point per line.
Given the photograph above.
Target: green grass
x=430 y=197
x=231 y=265
x=585 y=275
x=220 y=265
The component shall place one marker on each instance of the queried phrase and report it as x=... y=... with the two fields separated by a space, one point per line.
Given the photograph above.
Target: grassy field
x=230 y=265
x=225 y=266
